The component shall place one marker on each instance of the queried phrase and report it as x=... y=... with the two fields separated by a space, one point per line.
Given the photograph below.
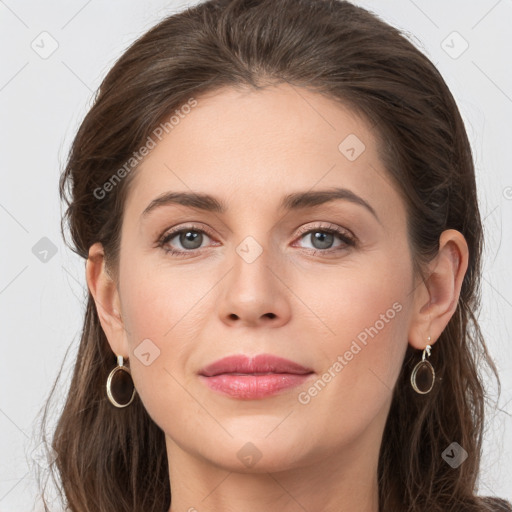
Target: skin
x=249 y=149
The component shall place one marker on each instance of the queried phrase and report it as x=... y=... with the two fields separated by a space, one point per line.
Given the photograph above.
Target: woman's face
x=266 y=274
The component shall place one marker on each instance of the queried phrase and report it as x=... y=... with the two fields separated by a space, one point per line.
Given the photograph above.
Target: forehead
x=249 y=145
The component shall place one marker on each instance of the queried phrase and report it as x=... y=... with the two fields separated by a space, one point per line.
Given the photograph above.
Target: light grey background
x=42 y=101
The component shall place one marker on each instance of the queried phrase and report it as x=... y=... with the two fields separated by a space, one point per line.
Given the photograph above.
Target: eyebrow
x=290 y=202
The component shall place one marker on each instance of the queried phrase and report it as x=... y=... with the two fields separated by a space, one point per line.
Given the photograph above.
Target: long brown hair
x=114 y=460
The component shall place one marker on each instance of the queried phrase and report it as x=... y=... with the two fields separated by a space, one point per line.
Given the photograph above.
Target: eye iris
x=191 y=236
x=321 y=236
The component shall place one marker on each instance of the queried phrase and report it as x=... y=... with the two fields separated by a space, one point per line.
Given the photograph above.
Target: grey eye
x=190 y=239
x=321 y=239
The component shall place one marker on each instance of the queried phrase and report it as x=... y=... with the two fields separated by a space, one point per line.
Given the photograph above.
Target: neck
x=334 y=483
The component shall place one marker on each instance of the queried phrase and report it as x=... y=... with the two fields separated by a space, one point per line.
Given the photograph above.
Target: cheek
x=158 y=301
x=368 y=314
x=372 y=315
x=358 y=333
x=164 y=312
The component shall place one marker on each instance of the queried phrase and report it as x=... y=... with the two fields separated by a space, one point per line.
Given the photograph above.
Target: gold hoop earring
x=423 y=375
x=120 y=387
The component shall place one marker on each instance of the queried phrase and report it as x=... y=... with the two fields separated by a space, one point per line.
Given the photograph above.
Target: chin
x=256 y=455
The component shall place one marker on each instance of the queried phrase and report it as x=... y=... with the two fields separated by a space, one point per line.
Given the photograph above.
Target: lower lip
x=253 y=387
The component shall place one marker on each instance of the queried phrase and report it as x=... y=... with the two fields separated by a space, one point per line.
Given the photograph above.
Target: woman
x=276 y=201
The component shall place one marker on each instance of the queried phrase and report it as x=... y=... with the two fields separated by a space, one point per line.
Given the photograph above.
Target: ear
x=436 y=298
x=106 y=296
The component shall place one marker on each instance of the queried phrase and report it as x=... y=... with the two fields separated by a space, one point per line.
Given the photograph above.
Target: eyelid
x=329 y=227
x=191 y=226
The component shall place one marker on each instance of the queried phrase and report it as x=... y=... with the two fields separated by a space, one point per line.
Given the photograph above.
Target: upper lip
x=262 y=363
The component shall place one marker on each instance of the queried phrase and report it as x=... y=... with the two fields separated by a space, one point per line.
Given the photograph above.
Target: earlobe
x=437 y=298
x=106 y=297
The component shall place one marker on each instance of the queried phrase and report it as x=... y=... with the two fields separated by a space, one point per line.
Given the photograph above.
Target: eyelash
x=345 y=237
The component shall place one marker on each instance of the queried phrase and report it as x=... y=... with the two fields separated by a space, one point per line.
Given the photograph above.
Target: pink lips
x=248 y=378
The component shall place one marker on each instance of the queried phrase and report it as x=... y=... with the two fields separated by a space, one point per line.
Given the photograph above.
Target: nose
x=255 y=293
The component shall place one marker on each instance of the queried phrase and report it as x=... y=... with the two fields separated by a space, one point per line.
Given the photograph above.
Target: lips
x=262 y=364
x=262 y=376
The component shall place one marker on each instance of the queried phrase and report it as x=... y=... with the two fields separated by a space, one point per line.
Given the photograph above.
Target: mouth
x=262 y=364
x=257 y=373
x=247 y=378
